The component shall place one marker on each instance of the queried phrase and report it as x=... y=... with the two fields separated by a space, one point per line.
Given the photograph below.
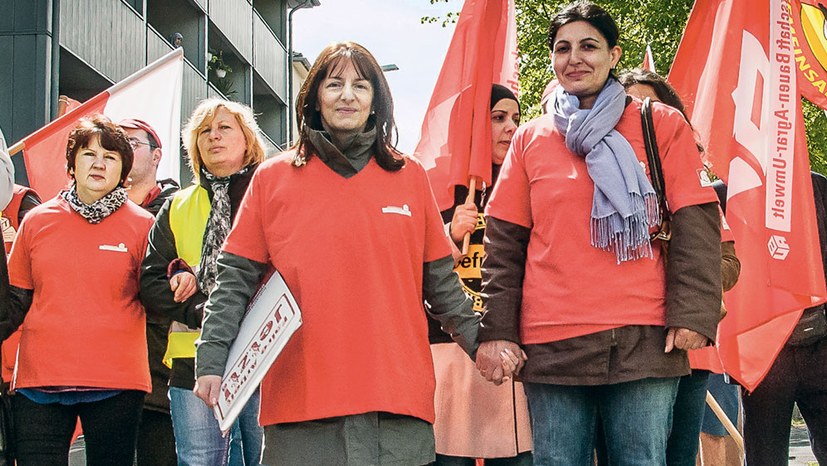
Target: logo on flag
x=742 y=91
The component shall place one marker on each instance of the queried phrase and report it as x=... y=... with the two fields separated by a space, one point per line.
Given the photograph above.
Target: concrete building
x=237 y=49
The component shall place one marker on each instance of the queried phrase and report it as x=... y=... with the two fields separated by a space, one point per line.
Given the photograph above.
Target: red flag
x=456 y=133
x=736 y=70
x=648 y=60
x=152 y=94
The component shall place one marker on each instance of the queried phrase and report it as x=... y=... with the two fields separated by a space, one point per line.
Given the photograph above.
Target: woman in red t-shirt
x=572 y=277
x=74 y=281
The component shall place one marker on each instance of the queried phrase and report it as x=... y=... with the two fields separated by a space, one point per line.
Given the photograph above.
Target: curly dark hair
x=110 y=137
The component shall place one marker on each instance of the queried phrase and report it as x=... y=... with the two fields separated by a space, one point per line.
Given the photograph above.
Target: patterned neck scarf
x=218 y=227
x=624 y=204
x=98 y=210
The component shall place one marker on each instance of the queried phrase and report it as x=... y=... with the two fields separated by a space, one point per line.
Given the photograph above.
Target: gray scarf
x=218 y=227
x=624 y=204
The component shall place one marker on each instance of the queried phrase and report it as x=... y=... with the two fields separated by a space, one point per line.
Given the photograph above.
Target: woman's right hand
x=183 y=284
x=207 y=388
x=464 y=221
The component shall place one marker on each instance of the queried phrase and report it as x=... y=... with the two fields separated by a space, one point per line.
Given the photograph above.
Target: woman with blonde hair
x=221 y=138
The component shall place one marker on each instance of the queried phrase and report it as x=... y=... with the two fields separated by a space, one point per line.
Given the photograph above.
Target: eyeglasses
x=135 y=143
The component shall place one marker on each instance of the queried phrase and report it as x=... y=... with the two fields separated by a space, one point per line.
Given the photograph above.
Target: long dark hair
x=665 y=92
x=309 y=117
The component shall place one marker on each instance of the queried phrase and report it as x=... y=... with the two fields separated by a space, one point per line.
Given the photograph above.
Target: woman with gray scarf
x=573 y=276
x=179 y=270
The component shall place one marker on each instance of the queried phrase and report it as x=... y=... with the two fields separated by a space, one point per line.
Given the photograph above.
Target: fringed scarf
x=625 y=205
x=218 y=227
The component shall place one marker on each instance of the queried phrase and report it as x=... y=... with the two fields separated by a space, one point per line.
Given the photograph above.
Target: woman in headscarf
x=352 y=226
x=179 y=271
x=474 y=418
x=74 y=272
x=571 y=273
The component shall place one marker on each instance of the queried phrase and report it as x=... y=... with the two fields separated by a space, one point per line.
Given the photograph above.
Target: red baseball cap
x=134 y=123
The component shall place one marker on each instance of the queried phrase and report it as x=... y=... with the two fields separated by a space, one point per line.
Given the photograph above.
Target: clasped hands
x=499 y=360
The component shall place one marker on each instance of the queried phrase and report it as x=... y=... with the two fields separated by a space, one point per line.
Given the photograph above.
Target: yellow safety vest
x=189 y=212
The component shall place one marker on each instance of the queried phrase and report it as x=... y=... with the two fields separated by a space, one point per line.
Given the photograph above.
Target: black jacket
x=156 y=294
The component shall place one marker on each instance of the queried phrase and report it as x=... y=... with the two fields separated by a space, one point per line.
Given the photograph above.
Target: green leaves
x=658 y=23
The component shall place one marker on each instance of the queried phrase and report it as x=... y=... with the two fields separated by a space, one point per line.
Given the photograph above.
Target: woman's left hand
x=684 y=339
x=183 y=284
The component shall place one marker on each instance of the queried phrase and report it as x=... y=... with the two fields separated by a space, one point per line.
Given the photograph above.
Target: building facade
x=235 y=49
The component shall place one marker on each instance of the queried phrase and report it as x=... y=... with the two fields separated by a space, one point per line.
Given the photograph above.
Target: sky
x=392 y=31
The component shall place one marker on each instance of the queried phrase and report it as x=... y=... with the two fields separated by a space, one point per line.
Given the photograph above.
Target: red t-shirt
x=351 y=250
x=571 y=288
x=86 y=326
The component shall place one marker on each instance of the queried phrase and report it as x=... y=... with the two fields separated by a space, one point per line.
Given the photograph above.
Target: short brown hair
x=110 y=136
x=204 y=114
x=309 y=117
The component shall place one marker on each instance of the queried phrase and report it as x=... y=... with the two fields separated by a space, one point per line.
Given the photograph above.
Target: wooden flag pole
x=16 y=148
x=721 y=415
x=472 y=191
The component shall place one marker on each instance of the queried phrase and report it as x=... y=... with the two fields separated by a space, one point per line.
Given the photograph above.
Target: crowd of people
x=570 y=344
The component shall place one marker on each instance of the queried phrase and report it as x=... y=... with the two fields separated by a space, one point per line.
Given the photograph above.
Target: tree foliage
x=659 y=23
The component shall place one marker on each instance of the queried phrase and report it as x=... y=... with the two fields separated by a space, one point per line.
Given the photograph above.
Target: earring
x=373 y=112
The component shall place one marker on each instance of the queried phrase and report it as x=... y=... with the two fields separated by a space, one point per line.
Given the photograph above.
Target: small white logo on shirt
x=404 y=210
x=703 y=176
x=108 y=247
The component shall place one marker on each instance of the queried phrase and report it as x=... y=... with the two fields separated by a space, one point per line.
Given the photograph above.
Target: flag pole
x=472 y=190
x=16 y=148
x=721 y=415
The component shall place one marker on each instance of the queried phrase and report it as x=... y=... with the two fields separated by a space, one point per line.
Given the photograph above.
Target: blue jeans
x=687 y=417
x=198 y=439
x=636 y=417
x=247 y=437
x=726 y=395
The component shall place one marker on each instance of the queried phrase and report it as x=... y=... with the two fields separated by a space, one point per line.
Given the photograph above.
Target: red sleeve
x=246 y=239
x=437 y=244
x=681 y=161
x=20 y=263
x=510 y=199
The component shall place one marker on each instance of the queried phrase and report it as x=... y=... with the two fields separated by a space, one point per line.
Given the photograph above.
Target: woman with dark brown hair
x=572 y=275
x=352 y=226
x=74 y=282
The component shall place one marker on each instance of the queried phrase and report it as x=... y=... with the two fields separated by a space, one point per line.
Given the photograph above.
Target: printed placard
x=272 y=317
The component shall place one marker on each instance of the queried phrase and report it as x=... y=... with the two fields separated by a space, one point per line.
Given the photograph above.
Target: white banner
x=272 y=318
